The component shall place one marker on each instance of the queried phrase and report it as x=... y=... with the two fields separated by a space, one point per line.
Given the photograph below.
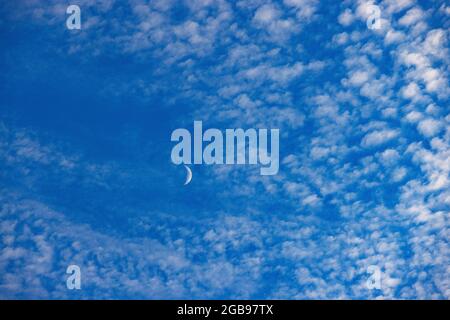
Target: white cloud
x=413 y=116
x=429 y=127
x=389 y=157
x=305 y=8
x=358 y=78
x=398 y=174
x=378 y=137
x=346 y=17
x=266 y=14
x=411 y=17
x=393 y=36
x=411 y=91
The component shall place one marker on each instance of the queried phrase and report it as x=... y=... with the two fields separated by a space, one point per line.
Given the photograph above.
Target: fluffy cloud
x=378 y=137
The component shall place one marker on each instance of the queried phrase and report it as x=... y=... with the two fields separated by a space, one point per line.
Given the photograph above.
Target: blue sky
x=86 y=176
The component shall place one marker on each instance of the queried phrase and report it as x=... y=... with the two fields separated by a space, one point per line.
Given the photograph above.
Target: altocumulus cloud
x=364 y=149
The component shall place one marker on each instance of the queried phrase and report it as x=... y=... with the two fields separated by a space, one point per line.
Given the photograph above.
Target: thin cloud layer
x=85 y=146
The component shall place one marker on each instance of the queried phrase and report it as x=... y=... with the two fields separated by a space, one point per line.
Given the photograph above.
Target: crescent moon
x=188 y=176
